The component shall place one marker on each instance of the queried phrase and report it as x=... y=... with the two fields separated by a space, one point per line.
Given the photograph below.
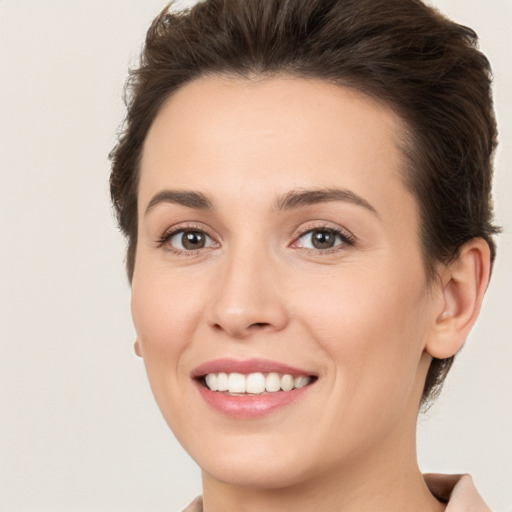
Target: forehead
x=269 y=135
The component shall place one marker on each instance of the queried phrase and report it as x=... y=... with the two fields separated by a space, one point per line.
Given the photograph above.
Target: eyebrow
x=188 y=198
x=300 y=198
x=292 y=200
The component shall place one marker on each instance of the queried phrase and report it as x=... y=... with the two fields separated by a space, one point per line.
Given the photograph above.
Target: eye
x=189 y=240
x=322 y=239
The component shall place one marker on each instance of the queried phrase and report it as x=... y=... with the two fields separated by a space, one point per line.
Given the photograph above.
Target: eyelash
x=167 y=236
x=346 y=239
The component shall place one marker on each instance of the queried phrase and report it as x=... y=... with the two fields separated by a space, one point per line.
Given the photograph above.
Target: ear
x=462 y=285
x=137 y=347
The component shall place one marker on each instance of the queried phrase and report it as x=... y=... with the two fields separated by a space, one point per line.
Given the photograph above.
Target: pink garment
x=457 y=490
x=195 y=506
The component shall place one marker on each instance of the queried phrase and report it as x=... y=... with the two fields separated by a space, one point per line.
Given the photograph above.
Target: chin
x=255 y=473
x=253 y=463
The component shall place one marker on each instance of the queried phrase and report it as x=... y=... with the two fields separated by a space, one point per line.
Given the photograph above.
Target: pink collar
x=458 y=491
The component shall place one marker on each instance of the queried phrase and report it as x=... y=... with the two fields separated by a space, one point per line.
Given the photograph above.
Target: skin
x=361 y=315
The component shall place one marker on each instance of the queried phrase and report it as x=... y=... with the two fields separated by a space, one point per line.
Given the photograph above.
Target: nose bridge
x=247 y=295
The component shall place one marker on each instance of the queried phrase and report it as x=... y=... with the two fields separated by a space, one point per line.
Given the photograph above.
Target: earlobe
x=463 y=285
x=137 y=348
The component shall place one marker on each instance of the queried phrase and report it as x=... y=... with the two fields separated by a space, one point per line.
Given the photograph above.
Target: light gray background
x=79 y=430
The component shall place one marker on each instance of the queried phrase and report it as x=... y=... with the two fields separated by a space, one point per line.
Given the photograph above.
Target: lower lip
x=251 y=406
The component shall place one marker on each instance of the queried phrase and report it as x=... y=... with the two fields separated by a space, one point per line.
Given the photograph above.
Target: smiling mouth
x=258 y=383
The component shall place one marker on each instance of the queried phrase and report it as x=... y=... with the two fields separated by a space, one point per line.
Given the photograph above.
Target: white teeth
x=211 y=381
x=273 y=382
x=254 y=383
x=287 y=383
x=301 y=381
x=237 y=383
x=222 y=382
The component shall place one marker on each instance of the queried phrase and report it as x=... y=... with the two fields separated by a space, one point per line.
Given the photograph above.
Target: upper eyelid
x=305 y=228
x=188 y=226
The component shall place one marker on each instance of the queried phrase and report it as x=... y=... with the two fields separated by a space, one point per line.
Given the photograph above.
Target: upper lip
x=248 y=366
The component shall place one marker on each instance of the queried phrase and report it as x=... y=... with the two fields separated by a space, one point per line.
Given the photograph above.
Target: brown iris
x=193 y=240
x=323 y=239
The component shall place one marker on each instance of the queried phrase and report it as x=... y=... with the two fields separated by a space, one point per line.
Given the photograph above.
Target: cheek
x=157 y=296
x=370 y=326
x=164 y=315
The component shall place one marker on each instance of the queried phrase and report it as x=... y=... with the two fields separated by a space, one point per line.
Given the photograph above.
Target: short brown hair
x=426 y=67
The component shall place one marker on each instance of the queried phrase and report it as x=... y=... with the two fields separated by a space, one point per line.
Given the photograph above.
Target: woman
x=305 y=188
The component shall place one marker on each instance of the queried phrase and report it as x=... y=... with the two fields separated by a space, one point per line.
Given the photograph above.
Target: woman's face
x=276 y=237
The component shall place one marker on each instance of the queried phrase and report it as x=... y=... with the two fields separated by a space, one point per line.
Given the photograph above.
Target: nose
x=247 y=298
